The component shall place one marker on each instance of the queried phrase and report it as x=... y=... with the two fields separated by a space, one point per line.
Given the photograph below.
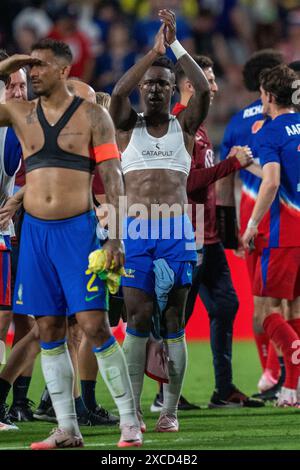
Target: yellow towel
x=97 y=262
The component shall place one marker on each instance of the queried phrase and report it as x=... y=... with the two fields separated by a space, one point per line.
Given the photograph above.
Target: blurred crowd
x=107 y=36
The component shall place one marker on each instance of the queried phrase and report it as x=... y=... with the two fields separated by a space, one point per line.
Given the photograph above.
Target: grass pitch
x=266 y=428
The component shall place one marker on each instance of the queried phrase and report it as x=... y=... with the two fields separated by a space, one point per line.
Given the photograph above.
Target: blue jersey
x=242 y=130
x=279 y=142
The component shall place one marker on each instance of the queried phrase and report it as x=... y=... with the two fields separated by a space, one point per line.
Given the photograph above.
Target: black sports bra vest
x=51 y=155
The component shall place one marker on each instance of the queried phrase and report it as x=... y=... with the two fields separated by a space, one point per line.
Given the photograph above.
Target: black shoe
x=107 y=417
x=184 y=405
x=271 y=394
x=97 y=419
x=234 y=399
x=45 y=413
x=21 y=411
x=5 y=423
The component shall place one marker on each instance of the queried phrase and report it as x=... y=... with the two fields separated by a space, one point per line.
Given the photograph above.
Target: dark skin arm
x=120 y=109
x=191 y=118
x=110 y=171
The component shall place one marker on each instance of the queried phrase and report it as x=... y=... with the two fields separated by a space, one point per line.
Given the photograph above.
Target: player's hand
x=169 y=19
x=248 y=238
x=244 y=156
x=15 y=62
x=7 y=212
x=240 y=251
x=115 y=254
x=159 y=42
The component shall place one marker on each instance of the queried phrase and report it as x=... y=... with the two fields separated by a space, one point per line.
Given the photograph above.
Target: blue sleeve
x=267 y=148
x=228 y=140
x=12 y=152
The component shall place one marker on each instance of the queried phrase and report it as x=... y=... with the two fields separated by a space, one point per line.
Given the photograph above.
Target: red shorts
x=5 y=280
x=277 y=273
x=251 y=262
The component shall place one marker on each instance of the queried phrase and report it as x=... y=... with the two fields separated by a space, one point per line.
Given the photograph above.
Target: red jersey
x=200 y=187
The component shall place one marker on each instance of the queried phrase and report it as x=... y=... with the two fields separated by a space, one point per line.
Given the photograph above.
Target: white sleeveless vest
x=145 y=152
x=6 y=182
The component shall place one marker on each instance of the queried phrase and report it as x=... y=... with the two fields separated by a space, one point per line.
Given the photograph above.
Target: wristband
x=252 y=223
x=177 y=49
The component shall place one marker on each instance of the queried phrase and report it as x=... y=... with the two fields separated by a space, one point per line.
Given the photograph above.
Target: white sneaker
x=8 y=427
x=266 y=381
x=59 y=438
x=287 y=398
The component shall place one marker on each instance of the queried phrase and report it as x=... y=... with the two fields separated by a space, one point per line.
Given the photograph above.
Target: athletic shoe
x=96 y=419
x=5 y=423
x=106 y=416
x=272 y=393
x=167 y=423
x=183 y=404
x=131 y=436
x=21 y=411
x=266 y=381
x=45 y=413
x=141 y=421
x=287 y=398
x=58 y=439
x=235 y=399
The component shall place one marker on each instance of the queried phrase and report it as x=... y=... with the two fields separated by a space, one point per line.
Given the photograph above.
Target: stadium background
x=107 y=37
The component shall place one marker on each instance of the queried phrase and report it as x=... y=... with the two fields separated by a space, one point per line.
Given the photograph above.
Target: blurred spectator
x=290 y=47
x=66 y=29
x=141 y=8
x=32 y=18
x=146 y=29
x=118 y=57
x=107 y=12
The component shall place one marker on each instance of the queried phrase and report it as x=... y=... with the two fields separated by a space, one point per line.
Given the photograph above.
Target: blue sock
x=80 y=407
x=88 y=393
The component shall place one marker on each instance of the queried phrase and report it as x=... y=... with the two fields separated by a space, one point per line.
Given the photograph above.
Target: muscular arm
x=267 y=191
x=120 y=109
x=198 y=105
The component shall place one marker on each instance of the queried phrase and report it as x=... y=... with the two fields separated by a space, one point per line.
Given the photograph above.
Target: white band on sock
x=178 y=49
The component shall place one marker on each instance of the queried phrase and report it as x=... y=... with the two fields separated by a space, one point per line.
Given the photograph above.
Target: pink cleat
x=58 y=439
x=141 y=421
x=287 y=398
x=167 y=423
x=130 y=436
x=266 y=381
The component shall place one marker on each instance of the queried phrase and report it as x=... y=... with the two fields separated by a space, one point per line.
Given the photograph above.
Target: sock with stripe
x=59 y=377
x=134 y=348
x=284 y=337
x=177 y=353
x=114 y=371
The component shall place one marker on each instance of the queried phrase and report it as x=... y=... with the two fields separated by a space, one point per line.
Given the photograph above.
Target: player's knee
x=139 y=317
x=97 y=331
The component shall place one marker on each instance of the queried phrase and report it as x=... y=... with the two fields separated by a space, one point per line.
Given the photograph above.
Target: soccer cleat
x=58 y=439
x=167 y=423
x=141 y=421
x=96 y=419
x=5 y=423
x=21 y=411
x=272 y=393
x=287 y=398
x=234 y=399
x=131 y=436
x=183 y=404
x=106 y=416
x=45 y=413
x=266 y=381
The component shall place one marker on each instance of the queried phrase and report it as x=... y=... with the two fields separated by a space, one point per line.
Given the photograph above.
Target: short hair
x=260 y=60
x=295 y=66
x=279 y=82
x=164 y=62
x=59 y=48
x=203 y=61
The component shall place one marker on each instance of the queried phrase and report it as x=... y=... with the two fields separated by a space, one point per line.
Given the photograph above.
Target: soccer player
x=156 y=152
x=59 y=224
x=277 y=274
x=243 y=129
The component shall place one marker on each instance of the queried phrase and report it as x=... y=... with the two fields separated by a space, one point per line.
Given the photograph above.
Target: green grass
x=236 y=429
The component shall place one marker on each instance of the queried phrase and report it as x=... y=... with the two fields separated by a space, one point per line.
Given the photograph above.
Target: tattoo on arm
x=101 y=125
x=31 y=117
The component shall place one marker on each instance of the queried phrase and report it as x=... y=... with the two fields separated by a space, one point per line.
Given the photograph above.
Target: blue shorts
x=51 y=277
x=148 y=240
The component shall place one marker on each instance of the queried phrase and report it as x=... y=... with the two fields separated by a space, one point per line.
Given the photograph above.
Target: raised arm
x=123 y=115
x=108 y=162
x=197 y=108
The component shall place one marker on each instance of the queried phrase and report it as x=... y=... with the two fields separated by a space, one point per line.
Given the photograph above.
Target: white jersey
x=6 y=182
x=146 y=152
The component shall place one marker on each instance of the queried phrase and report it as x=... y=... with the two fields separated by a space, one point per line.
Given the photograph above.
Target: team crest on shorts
x=129 y=273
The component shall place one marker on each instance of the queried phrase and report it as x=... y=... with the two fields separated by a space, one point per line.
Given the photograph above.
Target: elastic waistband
x=159 y=222
x=77 y=219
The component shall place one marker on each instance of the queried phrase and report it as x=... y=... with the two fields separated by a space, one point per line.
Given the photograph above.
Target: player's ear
x=65 y=71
